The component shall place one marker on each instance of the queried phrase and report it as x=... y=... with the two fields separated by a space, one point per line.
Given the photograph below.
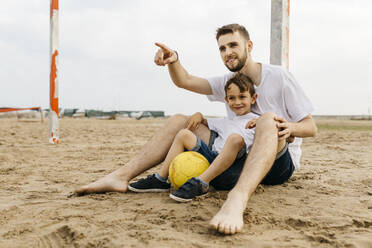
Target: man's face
x=233 y=50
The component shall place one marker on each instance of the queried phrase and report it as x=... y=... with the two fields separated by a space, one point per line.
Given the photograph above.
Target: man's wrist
x=176 y=59
x=291 y=127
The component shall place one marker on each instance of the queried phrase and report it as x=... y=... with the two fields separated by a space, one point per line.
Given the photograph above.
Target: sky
x=106 y=52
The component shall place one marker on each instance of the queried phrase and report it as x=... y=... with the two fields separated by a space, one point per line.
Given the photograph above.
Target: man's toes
x=77 y=191
x=82 y=189
x=221 y=228
x=239 y=228
x=234 y=230
x=213 y=224
x=228 y=230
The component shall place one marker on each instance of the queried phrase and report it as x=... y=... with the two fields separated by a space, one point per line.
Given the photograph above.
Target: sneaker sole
x=147 y=190
x=179 y=199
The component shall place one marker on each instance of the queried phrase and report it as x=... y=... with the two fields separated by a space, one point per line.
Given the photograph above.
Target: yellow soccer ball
x=185 y=166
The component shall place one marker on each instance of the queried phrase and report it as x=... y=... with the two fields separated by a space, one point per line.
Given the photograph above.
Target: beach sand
x=328 y=203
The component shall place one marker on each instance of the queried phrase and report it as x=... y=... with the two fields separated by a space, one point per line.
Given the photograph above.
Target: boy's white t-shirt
x=227 y=126
x=279 y=93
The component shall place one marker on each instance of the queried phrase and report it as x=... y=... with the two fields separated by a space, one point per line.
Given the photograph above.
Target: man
x=280 y=99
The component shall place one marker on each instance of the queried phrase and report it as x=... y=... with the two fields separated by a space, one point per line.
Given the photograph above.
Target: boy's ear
x=226 y=99
x=254 y=98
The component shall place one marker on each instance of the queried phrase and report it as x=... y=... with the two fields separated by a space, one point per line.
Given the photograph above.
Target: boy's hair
x=231 y=28
x=243 y=82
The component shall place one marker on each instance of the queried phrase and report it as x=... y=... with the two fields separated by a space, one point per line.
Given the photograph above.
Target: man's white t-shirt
x=227 y=126
x=279 y=93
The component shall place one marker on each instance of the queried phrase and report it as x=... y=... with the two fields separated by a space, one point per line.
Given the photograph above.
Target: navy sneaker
x=189 y=190
x=149 y=184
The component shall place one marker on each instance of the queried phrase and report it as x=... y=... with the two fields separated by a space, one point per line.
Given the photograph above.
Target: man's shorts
x=279 y=173
x=281 y=170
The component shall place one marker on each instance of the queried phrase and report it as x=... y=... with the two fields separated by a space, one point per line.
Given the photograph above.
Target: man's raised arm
x=180 y=77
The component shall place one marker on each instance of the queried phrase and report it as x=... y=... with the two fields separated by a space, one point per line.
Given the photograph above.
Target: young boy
x=229 y=141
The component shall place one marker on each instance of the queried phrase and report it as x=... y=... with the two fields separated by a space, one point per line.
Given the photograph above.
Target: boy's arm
x=304 y=128
x=180 y=77
x=194 y=121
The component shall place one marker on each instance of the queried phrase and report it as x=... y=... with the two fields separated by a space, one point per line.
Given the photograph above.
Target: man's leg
x=184 y=139
x=229 y=219
x=151 y=154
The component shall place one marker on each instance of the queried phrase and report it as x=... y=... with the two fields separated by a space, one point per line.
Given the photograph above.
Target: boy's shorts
x=230 y=176
x=279 y=173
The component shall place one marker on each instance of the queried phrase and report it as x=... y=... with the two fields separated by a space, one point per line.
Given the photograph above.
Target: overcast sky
x=107 y=47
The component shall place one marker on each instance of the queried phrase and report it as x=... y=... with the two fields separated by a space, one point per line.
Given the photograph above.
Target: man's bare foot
x=229 y=220
x=110 y=183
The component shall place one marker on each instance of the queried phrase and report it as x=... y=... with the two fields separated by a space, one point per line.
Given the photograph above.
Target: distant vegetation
x=345 y=126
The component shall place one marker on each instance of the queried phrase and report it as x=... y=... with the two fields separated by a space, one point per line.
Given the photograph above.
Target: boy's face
x=239 y=102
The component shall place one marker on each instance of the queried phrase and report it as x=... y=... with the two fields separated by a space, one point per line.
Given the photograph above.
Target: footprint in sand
x=61 y=237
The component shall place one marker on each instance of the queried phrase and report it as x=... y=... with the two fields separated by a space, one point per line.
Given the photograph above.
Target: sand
x=328 y=203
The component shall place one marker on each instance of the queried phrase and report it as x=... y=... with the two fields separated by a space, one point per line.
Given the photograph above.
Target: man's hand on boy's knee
x=194 y=121
x=284 y=129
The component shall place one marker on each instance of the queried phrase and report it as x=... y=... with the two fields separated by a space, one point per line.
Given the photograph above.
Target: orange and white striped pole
x=54 y=111
x=279 y=44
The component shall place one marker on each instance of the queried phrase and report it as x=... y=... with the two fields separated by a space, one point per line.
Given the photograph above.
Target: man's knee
x=266 y=122
x=236 y=141
x=177 y=120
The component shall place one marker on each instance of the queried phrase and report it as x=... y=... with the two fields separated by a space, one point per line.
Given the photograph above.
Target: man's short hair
x=231 y=28
x=243 y=82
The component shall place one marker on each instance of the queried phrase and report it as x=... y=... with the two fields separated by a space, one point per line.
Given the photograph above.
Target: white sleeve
x=215 y=124
x=298 y=105
x=218 y=87
x=248 y=137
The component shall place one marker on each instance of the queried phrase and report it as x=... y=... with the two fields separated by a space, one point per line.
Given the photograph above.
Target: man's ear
x=254 y=98
x=250 y=45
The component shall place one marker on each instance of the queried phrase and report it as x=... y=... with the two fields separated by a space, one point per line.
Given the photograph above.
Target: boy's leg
x=158 y=182
x=184 y=139
x=198 y=186
x=229 y=219
x=195 y=187
x=225 y=158
x=281 y=145
x=151 y=154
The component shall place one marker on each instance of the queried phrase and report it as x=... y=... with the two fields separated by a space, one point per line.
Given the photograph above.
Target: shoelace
x=144 y=179
x=189 y=185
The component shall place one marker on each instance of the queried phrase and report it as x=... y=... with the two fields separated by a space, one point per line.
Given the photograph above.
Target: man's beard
x=241 y=63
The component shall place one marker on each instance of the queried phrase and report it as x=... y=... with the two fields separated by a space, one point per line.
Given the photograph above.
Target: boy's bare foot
x=229 y=219
x=109 y=183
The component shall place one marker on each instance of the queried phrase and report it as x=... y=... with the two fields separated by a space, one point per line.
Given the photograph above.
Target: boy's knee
x=236 y=141
x=184 y=133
